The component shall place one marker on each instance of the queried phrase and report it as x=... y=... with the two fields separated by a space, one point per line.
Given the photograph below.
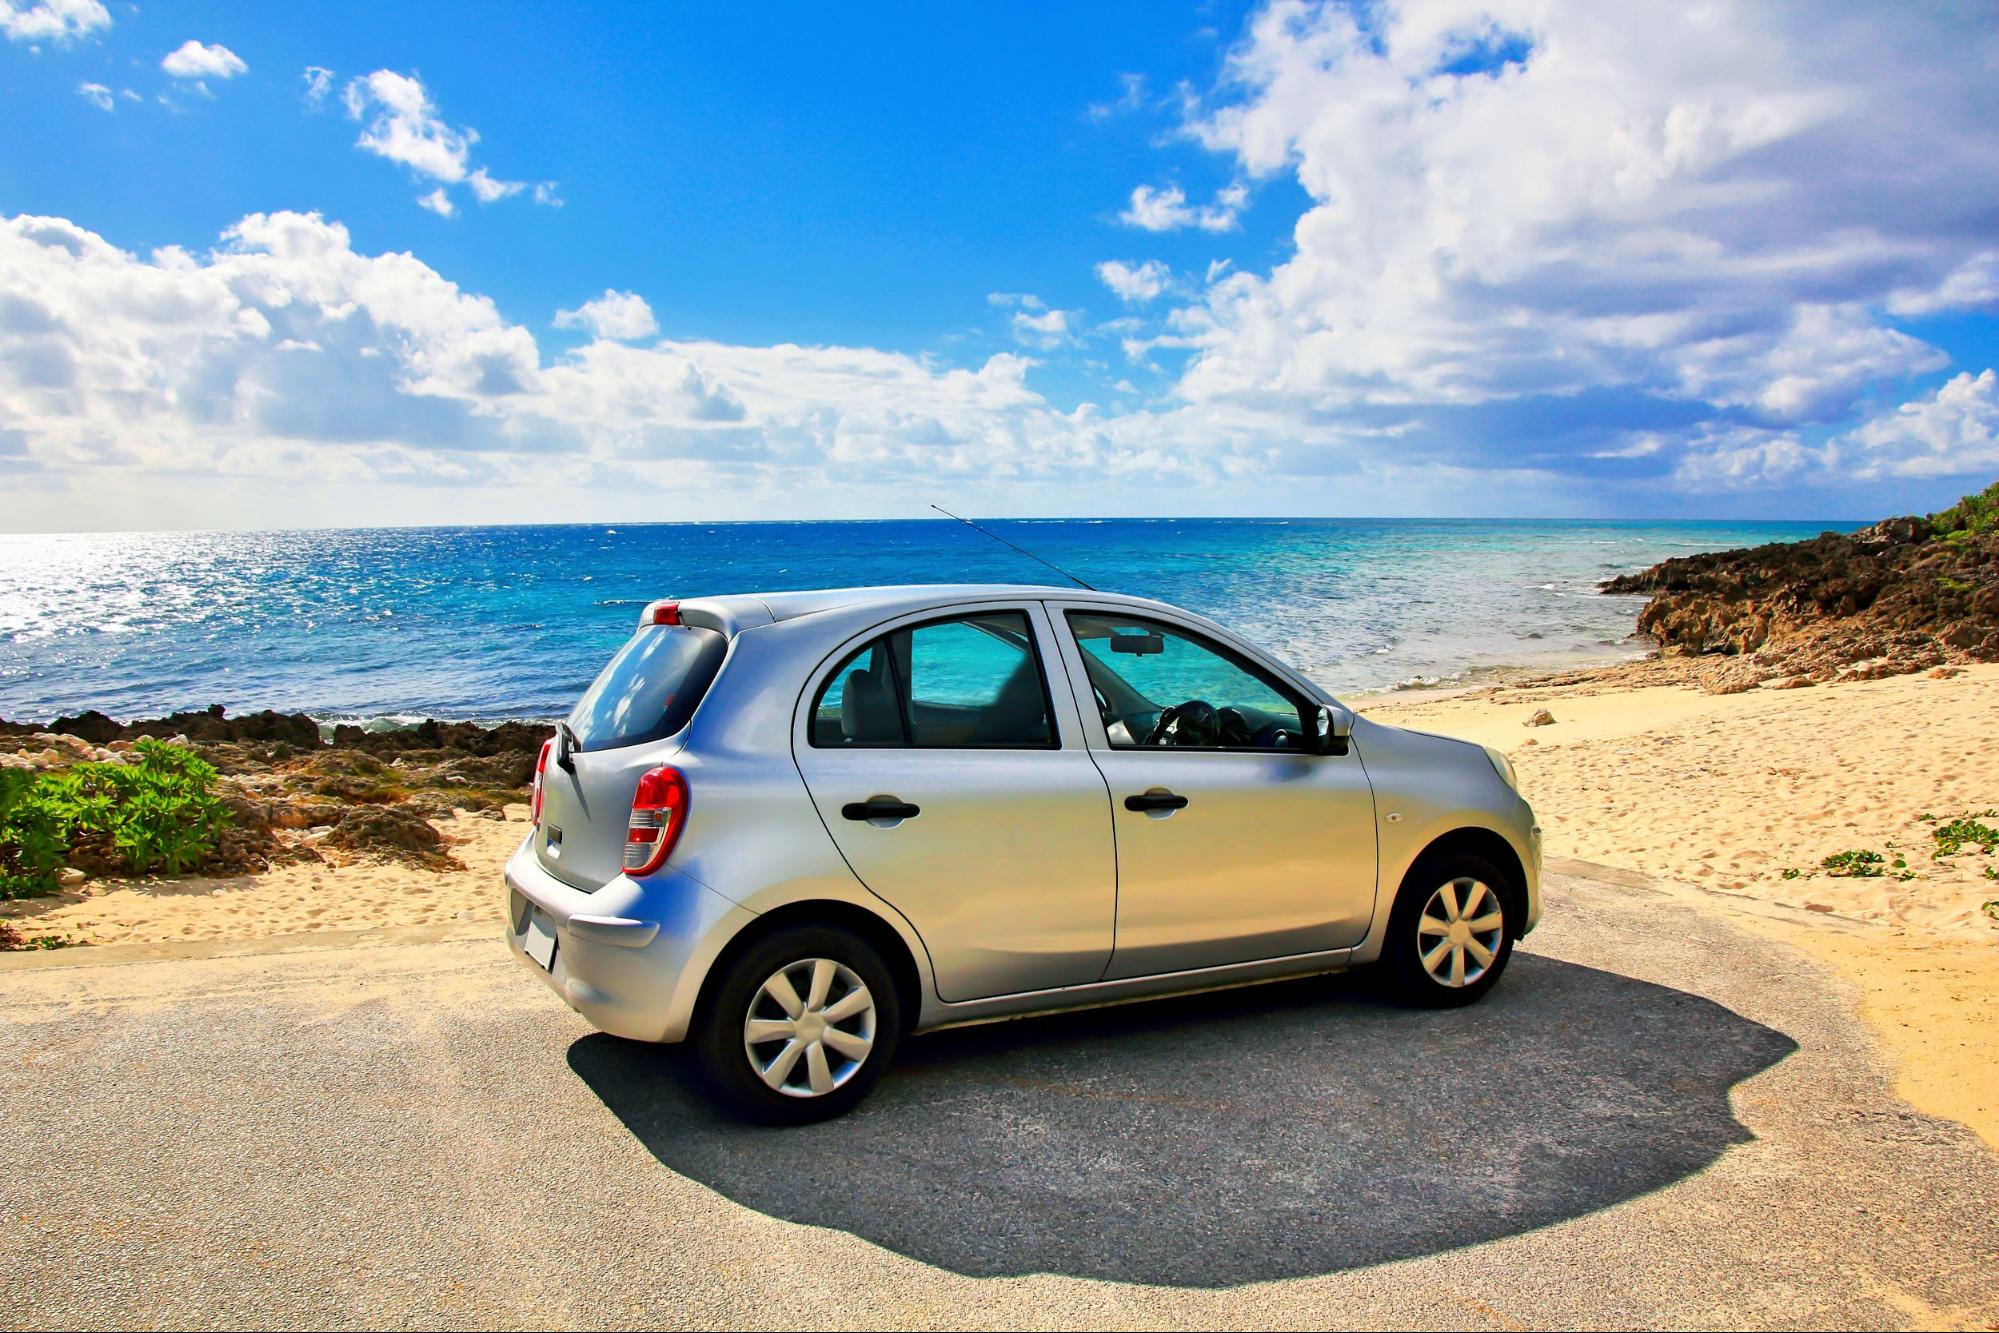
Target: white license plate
x=539 y=942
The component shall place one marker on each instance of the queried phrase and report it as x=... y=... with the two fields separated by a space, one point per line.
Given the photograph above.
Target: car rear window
x=650 y=688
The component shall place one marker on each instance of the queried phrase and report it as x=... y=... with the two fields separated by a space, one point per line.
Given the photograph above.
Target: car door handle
x=880 y=807
x=1155 y=800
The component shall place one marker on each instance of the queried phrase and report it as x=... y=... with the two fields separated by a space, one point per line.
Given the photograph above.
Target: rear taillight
x=540 y=775
x=666 y=613
x=659 y=810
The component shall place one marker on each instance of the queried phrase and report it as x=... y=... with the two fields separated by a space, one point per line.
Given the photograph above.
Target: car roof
x=738 y=611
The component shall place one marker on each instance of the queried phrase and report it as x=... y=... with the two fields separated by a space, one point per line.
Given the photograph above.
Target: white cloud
x=489 y=190
x=617 y=315
x=286 y=355
x=191 y=62
x=98 y=95
x=318 y=85
x=1168 y=209
x=1045 y=329
x=51 y=20
x=1135 y=284
x=1952 y=433
x=1673 y=203
x=404 y=125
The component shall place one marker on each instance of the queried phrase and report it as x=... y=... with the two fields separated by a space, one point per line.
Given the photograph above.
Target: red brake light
x=666 y=613
x=659 y=811
x=540 y=768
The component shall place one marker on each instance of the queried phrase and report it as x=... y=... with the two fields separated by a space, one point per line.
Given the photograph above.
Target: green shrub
x=155 y=813
x=1969 y=516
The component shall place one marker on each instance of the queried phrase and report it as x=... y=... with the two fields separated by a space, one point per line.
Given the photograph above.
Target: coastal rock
x=1542 y=718
x=1901 y=595
x=390 y=830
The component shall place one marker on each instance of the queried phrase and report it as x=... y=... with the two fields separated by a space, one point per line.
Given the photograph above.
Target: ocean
x=384 y=625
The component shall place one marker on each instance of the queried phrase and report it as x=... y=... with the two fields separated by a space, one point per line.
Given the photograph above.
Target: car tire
x=748 y=1026
x=1431 y=957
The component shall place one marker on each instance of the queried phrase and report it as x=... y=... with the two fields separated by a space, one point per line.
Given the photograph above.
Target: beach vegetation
x=12 y=940
x=157 y=812
x=1966 y=831
x=1970 y=516
x=1858 y=863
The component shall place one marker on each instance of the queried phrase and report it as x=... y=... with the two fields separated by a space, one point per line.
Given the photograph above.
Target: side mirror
x=1332 y=728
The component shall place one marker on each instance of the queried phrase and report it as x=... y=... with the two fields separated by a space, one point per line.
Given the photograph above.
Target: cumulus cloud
x=191 y=62
x=51 y=20
x=402 y=123
x=622 y=316
x=1685 y=213
x=286 y=353
x=1168 y=210
x=1134 y=284
x=1952 y=433
x=97 y=95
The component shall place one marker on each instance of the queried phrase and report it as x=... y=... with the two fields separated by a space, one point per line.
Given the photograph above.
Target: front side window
x=968 y=682
x=1156 y=685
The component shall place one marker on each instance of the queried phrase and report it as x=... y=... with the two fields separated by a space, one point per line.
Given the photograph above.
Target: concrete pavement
x=1657 y=1119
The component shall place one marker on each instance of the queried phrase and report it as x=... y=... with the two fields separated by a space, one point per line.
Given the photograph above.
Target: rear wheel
x=800 y=1027
x=1451 y=932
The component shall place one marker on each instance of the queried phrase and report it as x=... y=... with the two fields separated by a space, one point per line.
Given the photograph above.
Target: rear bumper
x=630 y=958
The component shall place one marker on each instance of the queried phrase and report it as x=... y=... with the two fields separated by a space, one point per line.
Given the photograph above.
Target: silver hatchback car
x=794 y=827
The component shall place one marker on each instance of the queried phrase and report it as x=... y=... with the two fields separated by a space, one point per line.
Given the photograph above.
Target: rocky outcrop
x=1897 y=596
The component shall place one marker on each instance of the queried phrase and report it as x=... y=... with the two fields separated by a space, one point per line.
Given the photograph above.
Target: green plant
x=1969 y=516
x=1792 y=872
x=155 y=813
x=1858 y=864
x=1966 y=831
x=11 y=939
x=1991 y=909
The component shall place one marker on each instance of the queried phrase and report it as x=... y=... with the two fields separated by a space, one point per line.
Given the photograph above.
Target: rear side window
x=971 y=682
x=650 y=688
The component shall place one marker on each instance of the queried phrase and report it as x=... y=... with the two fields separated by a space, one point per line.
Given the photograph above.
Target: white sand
x=290 y=899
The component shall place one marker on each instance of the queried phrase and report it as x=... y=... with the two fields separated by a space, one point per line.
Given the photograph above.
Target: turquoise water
x=498 y=622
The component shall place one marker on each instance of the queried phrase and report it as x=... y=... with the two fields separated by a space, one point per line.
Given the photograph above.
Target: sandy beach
x=1718 y=796
x=1733 y=800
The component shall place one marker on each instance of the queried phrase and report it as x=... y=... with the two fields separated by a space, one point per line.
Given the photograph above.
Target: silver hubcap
x=809 y=1028
x=1459 y=933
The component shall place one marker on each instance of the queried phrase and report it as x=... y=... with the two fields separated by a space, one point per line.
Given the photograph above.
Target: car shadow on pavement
x=1268 y=1132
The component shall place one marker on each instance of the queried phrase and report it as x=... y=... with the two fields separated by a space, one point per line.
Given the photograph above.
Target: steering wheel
x=1194 y=723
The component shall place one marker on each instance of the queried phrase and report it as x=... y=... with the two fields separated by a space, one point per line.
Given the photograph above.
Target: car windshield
x=650 y=688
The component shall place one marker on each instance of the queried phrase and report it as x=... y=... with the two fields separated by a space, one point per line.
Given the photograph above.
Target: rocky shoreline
x=1902 y=595
x=293 y=795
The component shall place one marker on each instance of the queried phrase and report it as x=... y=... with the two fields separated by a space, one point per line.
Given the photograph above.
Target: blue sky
x=1463 y=258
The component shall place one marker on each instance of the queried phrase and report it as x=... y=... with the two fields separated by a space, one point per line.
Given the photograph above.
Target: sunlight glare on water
x=501 y=622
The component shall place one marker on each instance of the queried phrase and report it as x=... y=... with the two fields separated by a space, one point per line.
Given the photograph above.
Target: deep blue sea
x=500 y=622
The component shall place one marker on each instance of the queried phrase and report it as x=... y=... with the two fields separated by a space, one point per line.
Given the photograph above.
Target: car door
x=958 y=785
x=1234 y=842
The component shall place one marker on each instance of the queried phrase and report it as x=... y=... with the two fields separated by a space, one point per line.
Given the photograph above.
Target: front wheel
x=1451 y=932
x=800 y=1027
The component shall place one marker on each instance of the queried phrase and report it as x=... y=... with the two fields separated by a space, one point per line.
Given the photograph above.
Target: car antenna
x=1022 y=549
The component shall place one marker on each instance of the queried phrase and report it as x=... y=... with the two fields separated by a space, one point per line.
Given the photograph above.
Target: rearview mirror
x=1332 y=728
x=1138 y=645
